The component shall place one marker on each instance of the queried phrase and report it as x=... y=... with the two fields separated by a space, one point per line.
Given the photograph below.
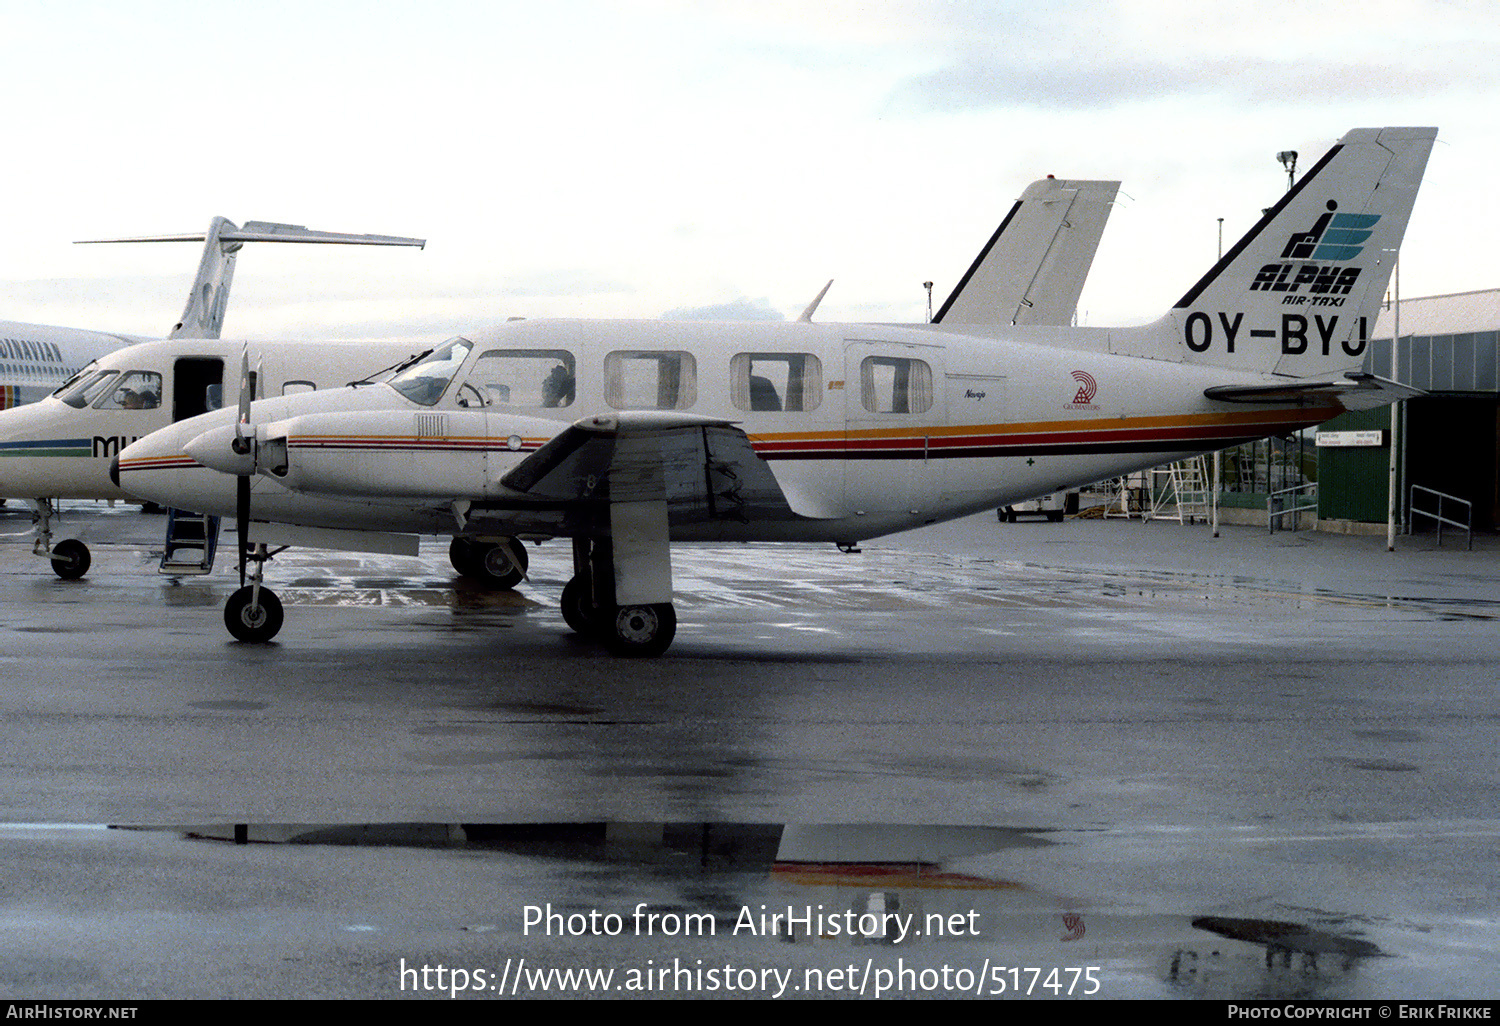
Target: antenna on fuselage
x=806 y=317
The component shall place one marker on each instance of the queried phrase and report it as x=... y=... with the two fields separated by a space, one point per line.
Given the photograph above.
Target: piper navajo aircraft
x=37 y=361
x=799 y=431
x=1031 y=271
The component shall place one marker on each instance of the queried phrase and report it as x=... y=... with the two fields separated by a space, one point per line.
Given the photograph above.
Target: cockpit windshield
x=85 y=389
x=426 y=380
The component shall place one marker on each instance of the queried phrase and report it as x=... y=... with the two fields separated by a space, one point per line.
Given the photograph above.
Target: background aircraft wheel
x=485 y=562
x=642 y=630
x=70 y=559
x=499 y=572
x=461 y=555
x=575 y=607
x=253 y=623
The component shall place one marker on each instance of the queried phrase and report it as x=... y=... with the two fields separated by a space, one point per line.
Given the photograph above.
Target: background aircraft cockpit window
x=776 y=381
x=136 y=390
x=894 y=384
x=425 y=381
x=521 y=377
x=645 y=380
x=86 y=389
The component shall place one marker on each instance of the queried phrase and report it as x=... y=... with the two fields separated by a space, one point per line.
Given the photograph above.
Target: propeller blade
x=242 y=442
x=242 y=519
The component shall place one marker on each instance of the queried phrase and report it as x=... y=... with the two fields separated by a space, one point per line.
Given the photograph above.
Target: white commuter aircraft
x=799 y=431
x=36 y=358
x=38 y=361
x=1031 y=271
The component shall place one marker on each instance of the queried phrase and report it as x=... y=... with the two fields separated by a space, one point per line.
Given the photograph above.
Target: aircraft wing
x=1353 y=391
x=705 y=469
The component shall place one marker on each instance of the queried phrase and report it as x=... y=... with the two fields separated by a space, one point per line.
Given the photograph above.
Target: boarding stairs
x=192 y=539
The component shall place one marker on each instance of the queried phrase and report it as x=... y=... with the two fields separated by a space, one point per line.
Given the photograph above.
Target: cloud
x=742 y=309
x=976 y=82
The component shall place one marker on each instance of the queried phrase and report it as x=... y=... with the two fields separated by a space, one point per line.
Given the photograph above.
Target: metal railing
x=1467 y=524
x=1276 y=504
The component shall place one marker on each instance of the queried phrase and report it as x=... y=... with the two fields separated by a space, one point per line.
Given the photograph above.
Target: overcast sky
x=645 y=159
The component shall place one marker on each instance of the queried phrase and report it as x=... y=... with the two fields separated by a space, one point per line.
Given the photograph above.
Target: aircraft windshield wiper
x=395 y=368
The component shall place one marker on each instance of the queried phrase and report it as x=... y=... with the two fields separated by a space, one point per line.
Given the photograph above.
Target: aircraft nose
x=114 y=471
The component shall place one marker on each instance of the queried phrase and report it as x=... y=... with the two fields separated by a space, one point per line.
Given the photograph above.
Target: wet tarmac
x=1257 y=766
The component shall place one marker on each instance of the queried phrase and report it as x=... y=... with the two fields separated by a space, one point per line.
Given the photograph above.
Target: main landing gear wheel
x=70 y=559
x=576 y=610
x=640 y=630
x=487 y=562
x=250 y=622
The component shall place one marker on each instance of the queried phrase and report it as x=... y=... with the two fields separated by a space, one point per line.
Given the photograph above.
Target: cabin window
x=521 y=377
x=643 y=380
x=136 y=390
x=86 y=389
x=776 y=381
x=425 y=381
x=894 y=384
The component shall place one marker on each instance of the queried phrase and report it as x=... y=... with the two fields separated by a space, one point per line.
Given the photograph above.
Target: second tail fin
x=203 y=316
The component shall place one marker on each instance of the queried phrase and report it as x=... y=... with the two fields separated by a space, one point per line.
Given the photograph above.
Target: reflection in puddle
x=927 y=899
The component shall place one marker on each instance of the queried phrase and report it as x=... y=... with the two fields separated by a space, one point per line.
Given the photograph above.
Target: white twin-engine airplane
x=627 y=436
x=36 y=358
x=1031 y=271
x=38 y=361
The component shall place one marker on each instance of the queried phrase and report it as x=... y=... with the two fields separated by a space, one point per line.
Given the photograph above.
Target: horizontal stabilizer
x=203 y=316
x=266 y=231
x=1352 y=391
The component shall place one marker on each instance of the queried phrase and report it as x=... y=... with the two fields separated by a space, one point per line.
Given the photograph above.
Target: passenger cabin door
x=894 y=398
x=197 y=386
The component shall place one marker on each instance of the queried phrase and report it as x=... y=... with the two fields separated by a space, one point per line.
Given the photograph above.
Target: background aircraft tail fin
x=203 y=316
x=1033 y=268
x=1298 y=295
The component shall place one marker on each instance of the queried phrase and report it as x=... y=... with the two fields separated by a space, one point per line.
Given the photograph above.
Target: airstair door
x=893 y=399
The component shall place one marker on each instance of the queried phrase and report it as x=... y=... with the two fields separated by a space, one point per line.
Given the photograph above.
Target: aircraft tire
x=461 y=555
x=641 y=631
x=70 y=559
x=253 y=623
x=575 y=607
x=485 y=563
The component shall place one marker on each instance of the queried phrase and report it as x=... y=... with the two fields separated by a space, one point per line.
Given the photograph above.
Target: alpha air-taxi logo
x=1333 y=238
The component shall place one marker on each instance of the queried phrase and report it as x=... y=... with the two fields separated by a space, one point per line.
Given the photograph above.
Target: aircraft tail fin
x=203 y=316
x=1033 y=268
x=1298 y=295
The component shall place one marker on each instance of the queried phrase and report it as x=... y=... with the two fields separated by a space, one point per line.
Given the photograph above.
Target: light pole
x=1288 y=160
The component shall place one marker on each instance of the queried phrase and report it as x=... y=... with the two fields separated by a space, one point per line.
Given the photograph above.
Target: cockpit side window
x=521 y=377
x=425 y=381
x=136 y=390
x=86 y=388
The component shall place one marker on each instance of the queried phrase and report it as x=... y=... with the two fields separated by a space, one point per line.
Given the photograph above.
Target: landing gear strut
x=589 y=609
x=70 y=557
